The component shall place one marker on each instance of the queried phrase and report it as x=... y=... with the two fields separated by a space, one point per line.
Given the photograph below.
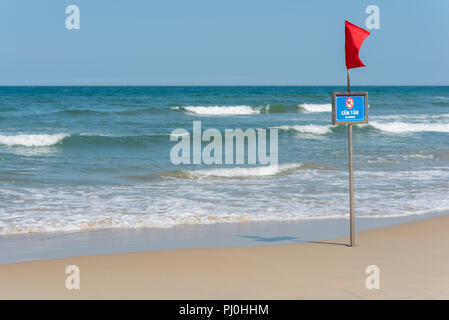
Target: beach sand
x=413 y=260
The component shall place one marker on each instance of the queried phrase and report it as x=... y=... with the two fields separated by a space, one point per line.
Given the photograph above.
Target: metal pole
x=351 y=180
x=349 y=84
x=351 y=188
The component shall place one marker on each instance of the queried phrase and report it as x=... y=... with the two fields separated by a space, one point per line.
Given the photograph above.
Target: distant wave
x=32 y=140
x=240 y=172
x=310 y=107
x=404 y=127
x=388 y=127
x=125 y=111
x=179 y=134
x=280 y=108
x=45 y=140
x=249 y=110
x=115 y=140
x=74 y=112
x=309 y=128
x=413 y=117
x=221 y=110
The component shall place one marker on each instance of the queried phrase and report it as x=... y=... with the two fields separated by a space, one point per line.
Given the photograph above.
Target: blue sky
x=220 y=42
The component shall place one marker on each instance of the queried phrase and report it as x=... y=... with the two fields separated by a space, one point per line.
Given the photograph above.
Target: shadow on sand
x=290 y=239
x=271 y=239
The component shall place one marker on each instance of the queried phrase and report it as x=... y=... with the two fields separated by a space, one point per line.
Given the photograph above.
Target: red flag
x=354 y=37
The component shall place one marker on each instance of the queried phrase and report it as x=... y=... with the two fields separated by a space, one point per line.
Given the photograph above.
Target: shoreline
x=412 y=259
x=44 y=246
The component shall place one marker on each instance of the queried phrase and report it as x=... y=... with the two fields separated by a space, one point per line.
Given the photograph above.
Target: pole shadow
x=290 y=239
x=329 y=243
x=271 y=239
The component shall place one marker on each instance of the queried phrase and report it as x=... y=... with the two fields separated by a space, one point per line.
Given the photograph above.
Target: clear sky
x=220 y=42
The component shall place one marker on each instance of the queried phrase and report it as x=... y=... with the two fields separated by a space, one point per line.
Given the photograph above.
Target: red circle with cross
x=349 y=103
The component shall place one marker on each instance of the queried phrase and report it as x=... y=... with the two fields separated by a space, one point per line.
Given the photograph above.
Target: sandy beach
x=224 y=151
x=412 y=259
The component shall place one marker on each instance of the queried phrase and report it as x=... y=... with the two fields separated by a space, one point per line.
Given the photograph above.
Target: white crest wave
x=221 y=110
x=404 y=127
x=239 y=172
x=308 y=128
x=32 y=140
x=310 y=107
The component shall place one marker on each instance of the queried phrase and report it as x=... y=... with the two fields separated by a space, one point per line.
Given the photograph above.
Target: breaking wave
x=310 y=107
x=309 y=128
x=240 y=172
x=221 y=110
x=32 y=140
x=404 y=127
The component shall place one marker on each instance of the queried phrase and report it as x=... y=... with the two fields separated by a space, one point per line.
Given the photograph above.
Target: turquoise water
x=84 y=158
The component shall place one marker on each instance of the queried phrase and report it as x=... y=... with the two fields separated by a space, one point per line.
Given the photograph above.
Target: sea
x=95 y=158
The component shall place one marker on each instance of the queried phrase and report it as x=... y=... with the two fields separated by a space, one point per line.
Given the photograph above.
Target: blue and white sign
x=349 y=107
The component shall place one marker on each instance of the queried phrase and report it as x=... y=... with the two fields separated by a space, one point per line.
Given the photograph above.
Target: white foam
x=310 y=107
x=261 y=171
x=32 y=140
x=413 y=117
x=404 y=127
x=309 y=128
x=176 y=135
x=301 y=195
x=221 y=110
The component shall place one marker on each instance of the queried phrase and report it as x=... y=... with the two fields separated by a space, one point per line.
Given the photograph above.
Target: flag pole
x=351 y=179
x=349 y=83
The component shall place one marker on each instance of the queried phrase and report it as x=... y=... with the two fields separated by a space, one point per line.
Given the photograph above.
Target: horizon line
x=222 y=85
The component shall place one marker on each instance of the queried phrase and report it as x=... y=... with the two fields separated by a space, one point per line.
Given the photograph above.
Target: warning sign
x=349 y=107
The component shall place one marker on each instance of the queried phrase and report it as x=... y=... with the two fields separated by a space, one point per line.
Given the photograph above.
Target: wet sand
x=412 y=259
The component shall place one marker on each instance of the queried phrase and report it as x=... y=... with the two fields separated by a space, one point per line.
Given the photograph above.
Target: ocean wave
x=221 y=110
x=299 y=194
x=115 y=140
x=404 y=127
x=55 y=224
x=413 y=117
x=68 y=209
x=280 y=108
x=387 y=127
x=126 y=221
x=309 y=128
x=105 y=112
x=47 y=140
x=75 y=112
x=32 y=140
x=138 y=111
x=311 y=107
x=176 y=135
x=240 y=172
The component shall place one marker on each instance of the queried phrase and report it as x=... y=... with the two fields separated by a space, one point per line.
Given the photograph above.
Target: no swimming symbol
x=349 y=103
